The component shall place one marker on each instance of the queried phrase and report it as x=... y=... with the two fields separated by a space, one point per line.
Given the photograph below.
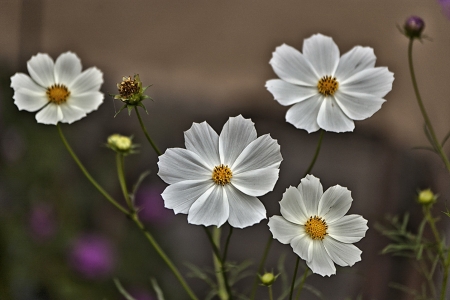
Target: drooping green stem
x=131 y=214
x=300 y=288
x=316 y=154
x=293 y=278
x=86 y=173
x=149 y=139
x=437 y=144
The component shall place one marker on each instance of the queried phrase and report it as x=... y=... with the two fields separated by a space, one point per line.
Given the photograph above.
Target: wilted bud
x=121 y=143
x=426 y=197
x=268 y=278
x=131 y=92
x=414 y=26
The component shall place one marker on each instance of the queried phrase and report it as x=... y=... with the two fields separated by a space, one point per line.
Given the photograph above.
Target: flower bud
x=414 y=26
x=426 y=197
x=120 y=143
x=268 y=278
x=131 y=92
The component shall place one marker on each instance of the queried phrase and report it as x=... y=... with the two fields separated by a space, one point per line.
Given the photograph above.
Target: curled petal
x=181 y=195
x=342 y=254
x=303 y=115
x=320 y=263
x=335 y=203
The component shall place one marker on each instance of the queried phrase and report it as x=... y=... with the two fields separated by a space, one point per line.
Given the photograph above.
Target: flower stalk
x=149 y=139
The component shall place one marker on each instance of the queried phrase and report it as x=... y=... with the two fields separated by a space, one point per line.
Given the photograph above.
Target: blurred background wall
x=206 y=60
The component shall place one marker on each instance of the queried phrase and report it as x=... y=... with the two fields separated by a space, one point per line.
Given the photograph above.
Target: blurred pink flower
x=92 y=256
x=445 y=4
x=151 y=205
x=42 y=221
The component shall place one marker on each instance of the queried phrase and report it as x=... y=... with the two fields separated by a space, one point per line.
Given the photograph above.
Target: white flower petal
x=181 y=195
x=264 y=152
x=50 y=114
x=290 y=65
x=303 y=115
x=358 y=106
x=236 y=134
x=87 y=102
x=332 y=118
x=320 y=263
x=211 y=208
x=322 y=53
x=27 y=94
x=342 y=254
x=67 y=68
x=71 y=113
x=302 y=244
x=311 y=190
x=292 y=206
x=204 y=141
x=257 y=182
x=354 y=61
x=88 y=81
x=41 y=69
x=283 y=230
x=348 y=229
x=373 y=81
x=178 y=164
x=335 y=203
x=244 y=210
x=287 y=93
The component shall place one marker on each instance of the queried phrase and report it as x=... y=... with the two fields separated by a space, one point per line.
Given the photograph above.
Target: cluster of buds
x=131 y=92
x=121 y=144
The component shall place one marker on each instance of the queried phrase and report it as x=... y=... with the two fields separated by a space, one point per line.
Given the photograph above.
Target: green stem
x=270 y=292
x=121 y=175
x=300 y=288
x=260 y=267
x=293 y=278
x=224 y=259
x=316 y=154
x=437 y=144
x=132 y=215
x=86 y=173
x=149 y=139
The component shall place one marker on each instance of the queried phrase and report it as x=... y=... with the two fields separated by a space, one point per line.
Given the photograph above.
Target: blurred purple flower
x=151 y=205
x=92 y=256
x=445 y=4
x=42 y=221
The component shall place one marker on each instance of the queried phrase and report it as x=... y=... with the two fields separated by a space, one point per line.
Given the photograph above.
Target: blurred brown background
x=208 y=60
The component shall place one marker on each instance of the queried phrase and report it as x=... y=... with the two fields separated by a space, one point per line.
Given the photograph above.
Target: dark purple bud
x=414 y=26
x=92 y=256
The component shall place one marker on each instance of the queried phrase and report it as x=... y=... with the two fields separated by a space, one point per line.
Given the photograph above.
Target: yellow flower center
x=316 y=227
x=222 y=175
x=128 y=87
x=327 y=85
x=58 y=93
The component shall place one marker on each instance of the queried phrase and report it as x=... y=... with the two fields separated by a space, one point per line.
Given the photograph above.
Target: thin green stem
x=445 y=262
x=437 y=144
x=149 y=139
x=270 y=292
x=86 y=173
x=121 y=175
x=316 y=154
x=227 y=243
x=260 y=267
x=293 y=278
x=300 y=288
x=132 y=215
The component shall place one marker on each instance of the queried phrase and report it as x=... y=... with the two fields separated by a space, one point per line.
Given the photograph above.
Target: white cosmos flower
x=315 y=225
x=328 y=91
x=217 y=178
x=58 y=89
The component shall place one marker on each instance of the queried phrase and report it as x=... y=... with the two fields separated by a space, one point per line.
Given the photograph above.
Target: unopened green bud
x=120 y=143
x=426 y=197
x=268 y=278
